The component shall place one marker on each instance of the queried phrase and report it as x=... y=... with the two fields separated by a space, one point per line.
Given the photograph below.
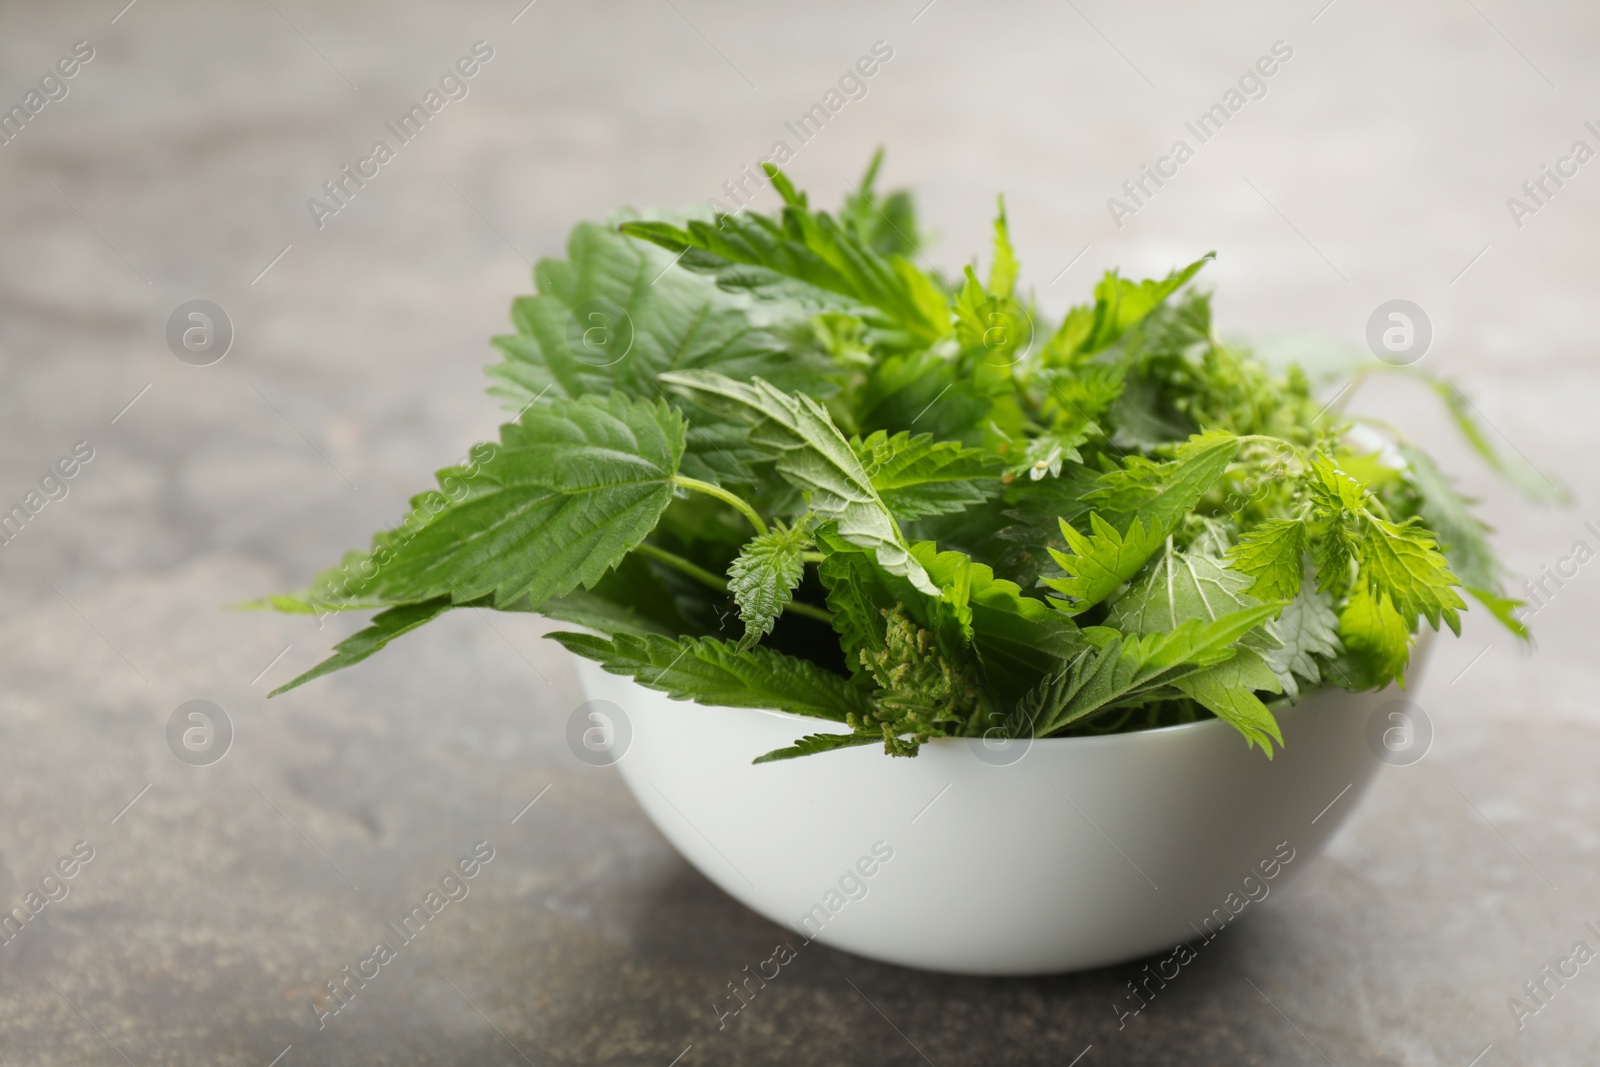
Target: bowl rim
x=1280 y=705
x=814 y=724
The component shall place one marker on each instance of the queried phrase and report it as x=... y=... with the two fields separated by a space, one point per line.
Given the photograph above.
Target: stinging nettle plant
x=772 y=462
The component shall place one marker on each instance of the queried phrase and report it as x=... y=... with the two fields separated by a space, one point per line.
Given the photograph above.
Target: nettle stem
x=723 y=495
x=720 y=584
x=678 y=563
x=810 y=611
x=1277 y=442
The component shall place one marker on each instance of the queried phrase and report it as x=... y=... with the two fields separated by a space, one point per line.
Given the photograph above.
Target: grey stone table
x=177 y=162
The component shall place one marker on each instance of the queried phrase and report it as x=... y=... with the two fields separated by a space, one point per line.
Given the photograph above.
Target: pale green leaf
x=1271 y=554
x=1402 y=562
x=1099 y=563
x=1182 y=587
x=1463 y=537
x=1511 y=465
x=1306 y=632
x=1376 y=641
x=1227 y=690
x=1503 y=608
x=1003 y=271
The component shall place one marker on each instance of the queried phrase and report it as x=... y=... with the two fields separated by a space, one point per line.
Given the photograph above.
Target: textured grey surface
x=1377 y=166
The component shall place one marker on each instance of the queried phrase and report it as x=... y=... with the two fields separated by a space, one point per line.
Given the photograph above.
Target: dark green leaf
x=385 y=627
x=574 y=487
x=811 y=247
x=716 y=673
x=812 y=744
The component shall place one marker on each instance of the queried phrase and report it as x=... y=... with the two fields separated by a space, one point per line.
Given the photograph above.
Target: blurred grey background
x=221 y=899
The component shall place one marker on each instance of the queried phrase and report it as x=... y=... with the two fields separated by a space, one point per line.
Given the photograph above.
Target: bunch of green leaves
x=777 y=461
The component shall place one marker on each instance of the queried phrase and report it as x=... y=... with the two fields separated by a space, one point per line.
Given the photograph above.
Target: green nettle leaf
x=1333 y=491
x=1161 y=494
x=1018 y=638
x=1228 y=692
x=1003 y=271
x=814 y=456
x=1119 y=305
x=1184 y=588
x=717 y=673
x=1339 y=504
x=574 y=487
x=1181 y=587
x=1271 y=554
x=1308 y=630
x=1503 y=608
x=614 y=315
x=917 y=476
x=813 y=744
x=1515 y=469
x=1333 y=547
x=1376 y=639
x=993 y=327
x=886 y=223
x=1100 y=563
x=811 y=247
x=1127 y=668
x=1074 y=400
x=385 y=627
x=1402 y=562
x=763 y=579
x=1463 y=538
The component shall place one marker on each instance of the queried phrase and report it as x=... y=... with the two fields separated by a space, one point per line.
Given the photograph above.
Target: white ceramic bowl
x=1081 y=853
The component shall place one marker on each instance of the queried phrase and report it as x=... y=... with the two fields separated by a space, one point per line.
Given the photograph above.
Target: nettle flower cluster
x=773 y=462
